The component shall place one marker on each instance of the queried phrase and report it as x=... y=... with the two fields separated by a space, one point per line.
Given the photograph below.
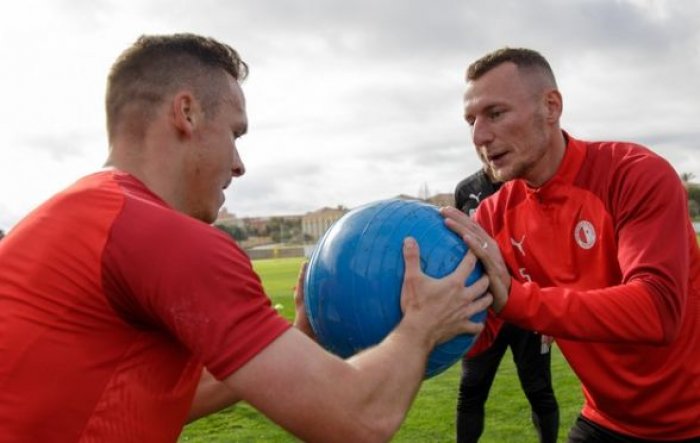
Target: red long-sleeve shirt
x=604 y=258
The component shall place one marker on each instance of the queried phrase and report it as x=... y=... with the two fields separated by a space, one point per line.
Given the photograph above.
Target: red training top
x=110 y=302
x=605 y=259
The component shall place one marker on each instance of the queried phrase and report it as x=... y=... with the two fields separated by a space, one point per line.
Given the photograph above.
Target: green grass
x=431 y=418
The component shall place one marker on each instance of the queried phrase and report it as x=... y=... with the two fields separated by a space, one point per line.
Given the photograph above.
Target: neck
x=549 y=163
x=153 y=169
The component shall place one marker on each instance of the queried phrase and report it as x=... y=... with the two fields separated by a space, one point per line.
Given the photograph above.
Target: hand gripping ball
x=354 y=278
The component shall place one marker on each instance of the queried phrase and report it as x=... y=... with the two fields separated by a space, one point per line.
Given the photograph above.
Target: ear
x=554 y=105
x=185 y=113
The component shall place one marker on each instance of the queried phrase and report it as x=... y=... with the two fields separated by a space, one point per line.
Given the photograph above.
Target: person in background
x=589 y=242
x=531 y=351
x=124 y=313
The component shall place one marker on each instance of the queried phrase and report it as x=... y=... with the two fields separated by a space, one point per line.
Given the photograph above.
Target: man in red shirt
x=588 y=242
x=117 y=292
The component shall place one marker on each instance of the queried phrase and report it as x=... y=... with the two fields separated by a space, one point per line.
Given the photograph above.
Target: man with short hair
x=117 y=291
x=606 y=259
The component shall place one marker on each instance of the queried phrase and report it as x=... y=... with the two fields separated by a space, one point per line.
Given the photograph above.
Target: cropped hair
x=156 y=66
x=525 y=59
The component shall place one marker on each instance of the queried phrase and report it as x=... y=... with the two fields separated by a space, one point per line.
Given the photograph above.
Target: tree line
x=693 y=190
x=278 y=229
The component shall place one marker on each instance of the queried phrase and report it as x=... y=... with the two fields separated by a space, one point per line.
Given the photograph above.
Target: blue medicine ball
x=354 y=278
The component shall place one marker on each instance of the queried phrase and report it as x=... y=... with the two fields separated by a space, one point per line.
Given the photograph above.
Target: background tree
x=693 y=190
x=687 y=177
x=283 y=230
x=235 y=232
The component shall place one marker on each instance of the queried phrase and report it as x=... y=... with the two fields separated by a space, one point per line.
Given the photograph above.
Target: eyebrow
x=490 y=106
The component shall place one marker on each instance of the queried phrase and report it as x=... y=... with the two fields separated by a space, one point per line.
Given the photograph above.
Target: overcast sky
x=348 y=101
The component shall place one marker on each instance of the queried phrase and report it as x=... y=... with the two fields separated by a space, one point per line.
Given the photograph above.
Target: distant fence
x=280 y=252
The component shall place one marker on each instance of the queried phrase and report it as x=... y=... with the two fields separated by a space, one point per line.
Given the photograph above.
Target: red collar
x=568 y=169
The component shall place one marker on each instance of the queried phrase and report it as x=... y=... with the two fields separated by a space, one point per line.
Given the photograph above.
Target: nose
x=237 y=167
x=481 y=133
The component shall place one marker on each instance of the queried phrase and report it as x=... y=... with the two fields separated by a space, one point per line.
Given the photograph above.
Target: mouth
x=495 y=159
x=496 y=156
x=227 y=184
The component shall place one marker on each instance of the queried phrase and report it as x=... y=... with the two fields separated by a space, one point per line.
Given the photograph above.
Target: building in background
x=447 y=199
x=279 y=233
x=315 y=224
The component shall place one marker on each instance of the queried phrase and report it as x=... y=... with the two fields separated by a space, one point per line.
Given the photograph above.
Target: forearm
x=319 y=397
x=390 y=378
x=211 y=396
x=623 y=313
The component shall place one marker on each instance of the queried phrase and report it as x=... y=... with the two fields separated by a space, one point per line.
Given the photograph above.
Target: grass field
x=431 y=418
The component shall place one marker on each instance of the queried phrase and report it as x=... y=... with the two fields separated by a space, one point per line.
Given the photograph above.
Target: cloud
x=62 y=147
x=348 y=101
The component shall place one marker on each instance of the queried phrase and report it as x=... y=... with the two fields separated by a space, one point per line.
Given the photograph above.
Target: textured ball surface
x=354 y=278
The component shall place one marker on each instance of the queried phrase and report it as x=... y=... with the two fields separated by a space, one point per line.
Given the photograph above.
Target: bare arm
x=319 y=397
x=212 y=395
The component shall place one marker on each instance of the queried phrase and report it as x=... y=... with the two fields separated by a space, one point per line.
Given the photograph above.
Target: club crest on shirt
x=584 y=234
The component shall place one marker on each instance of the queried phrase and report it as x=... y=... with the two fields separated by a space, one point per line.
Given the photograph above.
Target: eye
x=470 y=121
x=495 y=114
x=235 y=135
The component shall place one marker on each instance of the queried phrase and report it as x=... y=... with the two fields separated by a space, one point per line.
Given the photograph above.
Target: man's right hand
x=441 y=308
x=486 y=249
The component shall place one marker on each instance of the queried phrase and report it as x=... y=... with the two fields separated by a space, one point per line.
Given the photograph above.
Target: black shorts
x=585 y=431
